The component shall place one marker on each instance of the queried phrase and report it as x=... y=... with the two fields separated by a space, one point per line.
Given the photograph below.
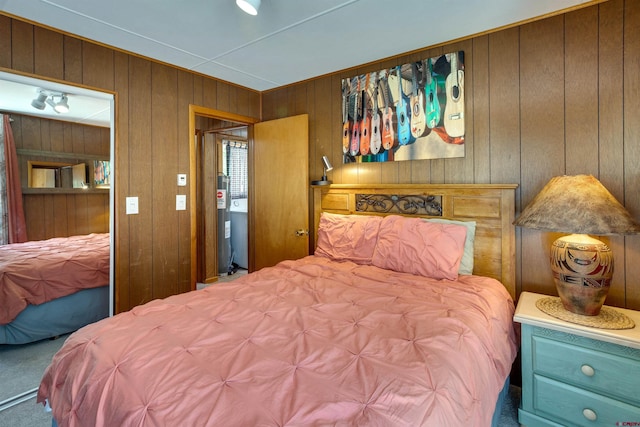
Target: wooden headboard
x=492 y=206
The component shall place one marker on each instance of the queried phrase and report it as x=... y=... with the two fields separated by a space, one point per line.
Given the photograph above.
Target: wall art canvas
x=409 y=112
x=102 y=173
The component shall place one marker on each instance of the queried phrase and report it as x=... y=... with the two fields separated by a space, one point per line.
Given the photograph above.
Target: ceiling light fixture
x=249 y=6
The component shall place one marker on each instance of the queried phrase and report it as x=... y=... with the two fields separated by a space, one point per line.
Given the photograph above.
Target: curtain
x=12 y=223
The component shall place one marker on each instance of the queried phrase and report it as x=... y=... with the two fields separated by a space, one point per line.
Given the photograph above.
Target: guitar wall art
x=409 y=112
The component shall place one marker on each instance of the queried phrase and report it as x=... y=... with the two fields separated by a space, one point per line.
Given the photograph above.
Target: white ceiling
x=287 y=42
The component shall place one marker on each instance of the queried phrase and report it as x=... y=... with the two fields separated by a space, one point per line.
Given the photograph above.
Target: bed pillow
x=348 y=237
x=466 y=264
x=412 y=245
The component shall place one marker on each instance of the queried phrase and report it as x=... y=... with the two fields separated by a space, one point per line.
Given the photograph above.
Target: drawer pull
x=588 y=370
x=589 y=414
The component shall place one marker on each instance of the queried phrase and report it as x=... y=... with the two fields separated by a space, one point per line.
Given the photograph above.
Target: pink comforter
x=308 y=342
x=39 y=271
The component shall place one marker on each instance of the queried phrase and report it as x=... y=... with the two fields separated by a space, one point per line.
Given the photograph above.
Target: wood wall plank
x=504 y=107
x=48 y=47
x=459 y=170
x=122 y=179
x=164 y=151
x=60 y=215
x=56 y=130
x=33 y=212
x=480 y=107
x=73 y=71
x=22 y=54
x=97 y=66
x=580 y=89
x=45 y=135
x=5 y=41
x=631 y=137
x=610 y=96
x=542 y=131
x=185 y=97
x=141 y=175
x=610 y=119
x=223 y=96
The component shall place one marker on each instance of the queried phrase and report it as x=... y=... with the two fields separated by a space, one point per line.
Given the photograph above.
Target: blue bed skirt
x=57 y=317
x=500 y=403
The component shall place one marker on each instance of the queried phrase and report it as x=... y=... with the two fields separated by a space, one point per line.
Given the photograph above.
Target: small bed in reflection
x=53 y=287
x=385 y=325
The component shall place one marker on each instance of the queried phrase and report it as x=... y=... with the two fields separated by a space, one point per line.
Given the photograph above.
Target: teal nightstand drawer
x=615 y=375
x=571 y=406
x=574 y=375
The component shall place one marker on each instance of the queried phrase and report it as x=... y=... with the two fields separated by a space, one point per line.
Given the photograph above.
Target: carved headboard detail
x=492 y=206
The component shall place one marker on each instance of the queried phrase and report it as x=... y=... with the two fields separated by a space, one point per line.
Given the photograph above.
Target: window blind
x=236 y=168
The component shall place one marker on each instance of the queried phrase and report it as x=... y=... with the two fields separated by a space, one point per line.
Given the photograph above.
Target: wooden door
x=207 y=217
x=279 y=197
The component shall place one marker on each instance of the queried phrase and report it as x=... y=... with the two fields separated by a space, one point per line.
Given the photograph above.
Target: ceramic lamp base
x=582 y=269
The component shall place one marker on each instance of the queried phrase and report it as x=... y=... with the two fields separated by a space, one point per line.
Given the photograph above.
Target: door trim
x=195 y=110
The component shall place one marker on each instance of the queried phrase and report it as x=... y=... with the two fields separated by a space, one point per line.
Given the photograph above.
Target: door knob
x=302 y=232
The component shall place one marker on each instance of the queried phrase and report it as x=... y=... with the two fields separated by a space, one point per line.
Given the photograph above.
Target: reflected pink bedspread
x=39 y=271
x=306 y=343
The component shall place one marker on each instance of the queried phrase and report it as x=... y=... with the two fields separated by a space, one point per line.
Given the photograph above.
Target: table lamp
x=582 y=265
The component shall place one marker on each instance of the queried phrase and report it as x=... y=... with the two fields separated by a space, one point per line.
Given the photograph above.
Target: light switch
x=181 y=202
x=132 y=205
x=182 y=179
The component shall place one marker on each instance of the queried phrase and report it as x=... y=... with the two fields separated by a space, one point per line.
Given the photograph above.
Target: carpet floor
x=21 y=367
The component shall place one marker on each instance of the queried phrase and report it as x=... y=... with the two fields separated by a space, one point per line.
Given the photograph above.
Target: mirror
x=55 y=125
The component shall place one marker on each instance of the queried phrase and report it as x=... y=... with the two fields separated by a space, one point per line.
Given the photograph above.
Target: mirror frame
x=37 y=80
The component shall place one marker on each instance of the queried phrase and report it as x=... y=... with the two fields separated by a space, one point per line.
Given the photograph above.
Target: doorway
x=278 y=202
x=222 y=188
x=212 y=131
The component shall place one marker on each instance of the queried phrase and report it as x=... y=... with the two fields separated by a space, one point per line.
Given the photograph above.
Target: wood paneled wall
x=61 y=215
x=152 y=145
x=556 y=96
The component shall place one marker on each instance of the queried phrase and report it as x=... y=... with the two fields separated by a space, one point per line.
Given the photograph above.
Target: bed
x=380 y=326
x=53 y=287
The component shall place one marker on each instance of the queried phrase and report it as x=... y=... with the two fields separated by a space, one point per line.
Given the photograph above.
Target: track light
x=39 y=101
x=62 y=106
x=249 y=6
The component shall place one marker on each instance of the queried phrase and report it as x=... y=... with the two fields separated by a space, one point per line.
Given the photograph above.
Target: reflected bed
x=52 y=287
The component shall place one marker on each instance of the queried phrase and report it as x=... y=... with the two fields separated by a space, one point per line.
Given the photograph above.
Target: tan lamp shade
x=582 y=266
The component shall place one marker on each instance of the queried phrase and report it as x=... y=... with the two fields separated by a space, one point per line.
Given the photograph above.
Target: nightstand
x=575 y=375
